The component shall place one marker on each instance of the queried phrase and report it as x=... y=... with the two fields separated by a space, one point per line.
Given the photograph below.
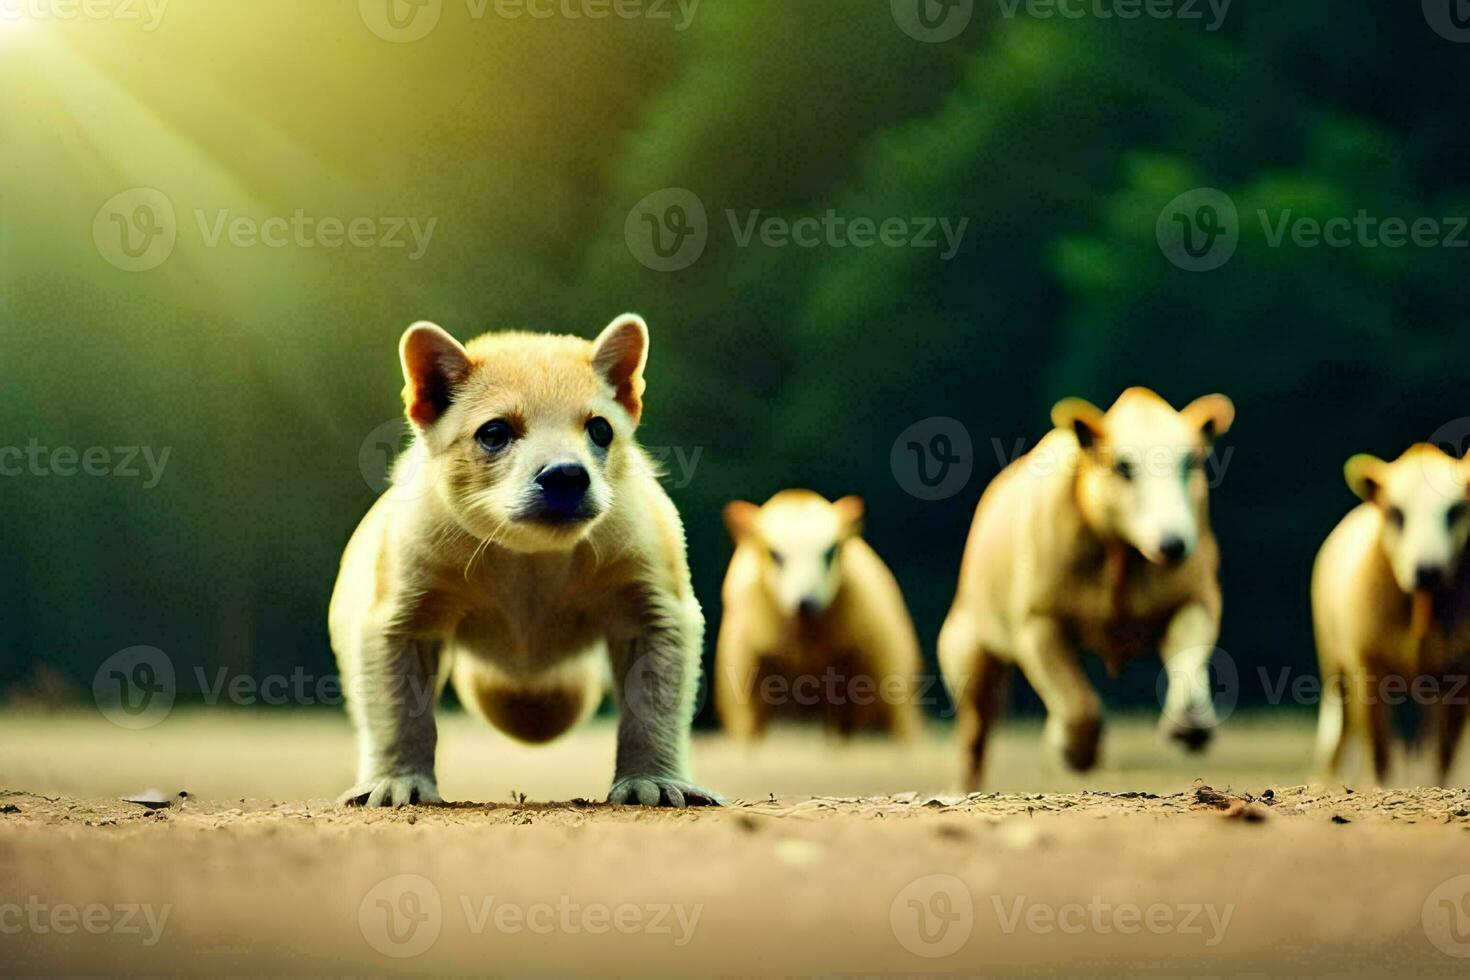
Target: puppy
x=524 y=545
x=812 y=619
x=1389 y=602
x=1098 y=539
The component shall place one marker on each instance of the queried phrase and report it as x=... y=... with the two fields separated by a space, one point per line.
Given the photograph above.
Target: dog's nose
x=563 y=485
x=808 y=608
x=1172 y=547
x=1428 y=577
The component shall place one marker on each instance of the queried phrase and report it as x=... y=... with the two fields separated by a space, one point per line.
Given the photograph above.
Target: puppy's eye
x=1396 y=516
x=1123 y=468
x=829 y=556
x=1192 y=462
x=600 y=431
x=777 y=558
x=495 y=435
x=1456 y=515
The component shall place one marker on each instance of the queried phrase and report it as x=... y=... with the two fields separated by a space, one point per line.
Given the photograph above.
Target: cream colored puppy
x=1389 y=597
x=1098 y=538
x=524 y=546
x=813 y=619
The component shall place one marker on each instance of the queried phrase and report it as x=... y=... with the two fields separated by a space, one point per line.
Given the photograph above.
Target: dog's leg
x=1073 y=709
x=654 y=677
x=1331 y=722
x=1366 y=715
x=390 y=692
x=1451 y=728
x=1189 y=709
x=978 y=708
x=737 y=679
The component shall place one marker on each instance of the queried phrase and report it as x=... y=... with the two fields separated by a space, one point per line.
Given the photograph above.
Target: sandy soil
x=831 y=859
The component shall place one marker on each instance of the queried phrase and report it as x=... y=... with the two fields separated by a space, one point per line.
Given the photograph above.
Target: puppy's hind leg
x=1452 y=711
x=1331 y=724
x=980 y=709
x=976 y=681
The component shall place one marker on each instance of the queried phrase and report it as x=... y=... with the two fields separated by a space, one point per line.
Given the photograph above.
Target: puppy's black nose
x=1428 y=577
x=1172 y=547
x=808 y=608
x=563 y=486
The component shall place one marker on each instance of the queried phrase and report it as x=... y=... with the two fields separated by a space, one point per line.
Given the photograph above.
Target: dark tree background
x=264 y=370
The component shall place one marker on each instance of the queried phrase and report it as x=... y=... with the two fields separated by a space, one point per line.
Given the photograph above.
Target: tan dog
x=1389 y=597
x=812 y=619
x=1098 y=538
x=524 y=544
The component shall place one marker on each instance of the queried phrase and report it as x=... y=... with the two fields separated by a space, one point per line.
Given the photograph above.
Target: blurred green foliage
x=527 y=141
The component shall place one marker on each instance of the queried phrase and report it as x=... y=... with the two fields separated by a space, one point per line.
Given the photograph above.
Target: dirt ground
x=828 y=859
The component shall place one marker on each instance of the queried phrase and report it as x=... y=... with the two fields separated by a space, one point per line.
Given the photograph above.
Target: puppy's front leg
x=1188 y=643
x=391 y=694
x=654 y=676
x=1073 y=709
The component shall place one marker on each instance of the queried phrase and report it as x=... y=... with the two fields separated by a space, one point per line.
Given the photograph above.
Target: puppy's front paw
x=660 y=791
x=1076 y=741
x=1194 y=736
x=393 y=791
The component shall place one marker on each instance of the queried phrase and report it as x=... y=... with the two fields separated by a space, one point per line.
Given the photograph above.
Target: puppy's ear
x=850 y=510
x=740 y=518
x=1365 y=476
x=434 y=364
x=618 y=356
x=1214 y=414
x=1081 y=417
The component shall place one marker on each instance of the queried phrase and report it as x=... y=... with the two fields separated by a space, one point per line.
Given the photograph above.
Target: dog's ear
x=850 y=510
x=1364 y=475
x=740 y=518
x=619 y=355
x=1214 y=414
x=1080 y=417
x=434 y=365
